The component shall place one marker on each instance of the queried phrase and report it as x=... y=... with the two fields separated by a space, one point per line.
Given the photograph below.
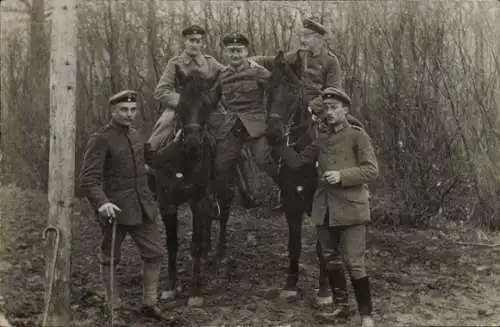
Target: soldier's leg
x=262 y=152
x=147 y=237
x=242 y=180
x=227 y=155
x=353 y=246
x=329 y=252
x=105 y=260
x=162 y=130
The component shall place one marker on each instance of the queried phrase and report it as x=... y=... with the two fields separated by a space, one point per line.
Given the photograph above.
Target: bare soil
x=419 y=278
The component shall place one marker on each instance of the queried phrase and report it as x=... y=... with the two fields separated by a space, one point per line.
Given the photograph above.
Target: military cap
x=235 y=39
x=312 y=24
x=334 y=93
x=193 y=30
x=123 y=96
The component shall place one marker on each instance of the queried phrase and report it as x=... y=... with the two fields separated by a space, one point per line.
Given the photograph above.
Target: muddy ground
x=420 y=278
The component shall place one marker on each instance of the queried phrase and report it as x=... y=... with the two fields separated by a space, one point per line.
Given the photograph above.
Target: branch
x=26 y=3
x=490 y=245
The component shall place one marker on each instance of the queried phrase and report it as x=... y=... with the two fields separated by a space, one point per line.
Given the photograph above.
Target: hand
x=332 y=176
x=252 y=63
x=109 y=211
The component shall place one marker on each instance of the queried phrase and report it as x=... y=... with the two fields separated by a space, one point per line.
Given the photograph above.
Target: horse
x=184 y=173
x=288 y=123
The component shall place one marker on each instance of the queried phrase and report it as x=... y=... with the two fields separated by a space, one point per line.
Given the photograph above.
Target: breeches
x=229 y=154
x=146 y=236
x=343 y=245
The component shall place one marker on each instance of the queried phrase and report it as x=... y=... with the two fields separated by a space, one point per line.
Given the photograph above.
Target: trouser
x=345 y=246
x=148 y=239
x=229 y=154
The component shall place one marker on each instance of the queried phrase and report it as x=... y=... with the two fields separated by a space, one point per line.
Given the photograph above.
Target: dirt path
x=420 y=278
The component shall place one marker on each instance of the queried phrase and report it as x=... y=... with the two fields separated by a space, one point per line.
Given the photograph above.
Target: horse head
x=196 y=102
x=285 y=96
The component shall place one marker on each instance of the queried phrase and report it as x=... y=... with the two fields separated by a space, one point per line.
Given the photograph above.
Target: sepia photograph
x=213 y=163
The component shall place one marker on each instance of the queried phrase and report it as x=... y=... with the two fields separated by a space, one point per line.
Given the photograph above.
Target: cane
x=112 y=272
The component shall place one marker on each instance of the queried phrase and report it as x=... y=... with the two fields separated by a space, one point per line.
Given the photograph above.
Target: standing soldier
x=243 y=118
x=113 y=178
x=341 y=208
x=322 y=68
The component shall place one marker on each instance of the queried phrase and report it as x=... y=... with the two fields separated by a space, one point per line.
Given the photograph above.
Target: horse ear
x=298 y=66
x=280 y=57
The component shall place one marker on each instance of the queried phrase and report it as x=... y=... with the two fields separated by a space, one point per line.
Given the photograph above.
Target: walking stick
x=112 y=272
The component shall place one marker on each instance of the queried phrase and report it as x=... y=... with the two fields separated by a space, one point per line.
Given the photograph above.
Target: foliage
x=424 y=78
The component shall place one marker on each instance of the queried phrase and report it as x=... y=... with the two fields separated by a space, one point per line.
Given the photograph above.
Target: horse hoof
x=286 y=294
x=168 y=295
x=195 y=301
x=324 y=300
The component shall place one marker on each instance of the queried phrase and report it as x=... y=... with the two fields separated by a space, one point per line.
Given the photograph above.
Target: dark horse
x=184 y=173
x=289 y=122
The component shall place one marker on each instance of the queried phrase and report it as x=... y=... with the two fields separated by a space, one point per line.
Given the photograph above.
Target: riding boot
x=363 y=298
x=150 y=277
x=338 y=285
x=106 y=281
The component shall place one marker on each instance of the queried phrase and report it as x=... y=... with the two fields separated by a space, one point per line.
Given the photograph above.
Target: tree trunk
x=61 y=163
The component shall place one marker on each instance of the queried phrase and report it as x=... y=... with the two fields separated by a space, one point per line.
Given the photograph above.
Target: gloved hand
x=108 y=213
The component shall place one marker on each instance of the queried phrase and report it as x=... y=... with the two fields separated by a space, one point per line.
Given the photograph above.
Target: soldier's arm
x=265 y=61
x=263 y=76
x=333 y=76
x=294 y=159
x=165 y=90
x=91 y=173
x=367 y=168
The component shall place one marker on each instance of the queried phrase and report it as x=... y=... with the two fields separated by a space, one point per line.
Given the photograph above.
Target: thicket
x=424 y=78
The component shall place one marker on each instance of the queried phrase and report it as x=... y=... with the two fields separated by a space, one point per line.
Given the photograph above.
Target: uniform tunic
x=350 y=152
x=242 y=98
x=113 y=171
x=168 y=89
x=322 y=69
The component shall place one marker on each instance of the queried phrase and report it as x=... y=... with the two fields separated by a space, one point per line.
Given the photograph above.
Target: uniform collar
x=244 y=65
x=339 y=127
x=187 y=59
x=121 y=128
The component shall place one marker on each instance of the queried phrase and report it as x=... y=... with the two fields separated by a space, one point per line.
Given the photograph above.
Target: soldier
x=113 y=178
x=167 y=90
x=242 y=119
x=322 y=68
x=346 y=162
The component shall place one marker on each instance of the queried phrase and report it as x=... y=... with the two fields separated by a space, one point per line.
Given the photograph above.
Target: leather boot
x=106 y=281
x=363 y=298
x=150 y=277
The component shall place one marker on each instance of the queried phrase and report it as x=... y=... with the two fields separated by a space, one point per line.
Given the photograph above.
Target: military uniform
x=167 y=91
x=113 y=171
x=241 y=119
x=322 y=68
x=340 y=211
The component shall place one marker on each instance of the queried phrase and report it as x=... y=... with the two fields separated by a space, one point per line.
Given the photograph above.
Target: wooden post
x=61 y=163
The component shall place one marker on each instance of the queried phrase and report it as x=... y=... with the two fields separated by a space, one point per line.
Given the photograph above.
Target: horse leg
x=293 y=214
x=201 y=222
x=170 y=220
x=324 y=296
x=223 y=219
